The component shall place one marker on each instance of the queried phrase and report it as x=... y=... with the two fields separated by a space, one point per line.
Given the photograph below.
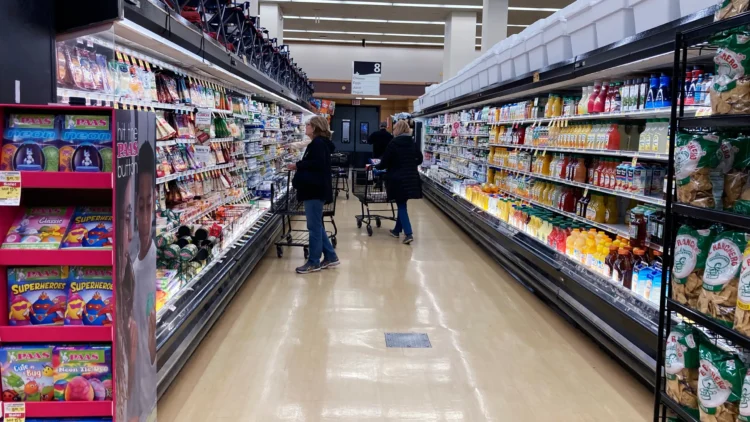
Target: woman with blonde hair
x=401 y=159
x=313 y=184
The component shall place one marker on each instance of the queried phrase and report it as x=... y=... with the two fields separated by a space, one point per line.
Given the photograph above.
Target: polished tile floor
x=312 y=348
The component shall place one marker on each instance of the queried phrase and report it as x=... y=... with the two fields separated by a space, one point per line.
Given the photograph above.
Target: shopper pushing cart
x=313 y=184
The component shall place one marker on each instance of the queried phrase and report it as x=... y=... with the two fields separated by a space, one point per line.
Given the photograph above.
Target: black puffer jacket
x=401 y=159
x=313 y=177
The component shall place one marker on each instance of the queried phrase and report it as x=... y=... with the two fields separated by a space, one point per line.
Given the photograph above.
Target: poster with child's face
x=135 y=285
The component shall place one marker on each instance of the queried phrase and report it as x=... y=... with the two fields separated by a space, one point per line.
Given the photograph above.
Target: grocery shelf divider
x=717 y=121
x=685 y=416
x=716 y=216
x=56 y=334
x=711 y=324
x=69 y=409
x=650 y=156
x=66 y=180
x=31 y=257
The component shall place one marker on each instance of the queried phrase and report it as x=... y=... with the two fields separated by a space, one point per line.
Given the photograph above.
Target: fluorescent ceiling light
x=314 y=18
x=375 y=98
x=433 y=5
x=382 y=34
x=432 y=44
x=442 y=6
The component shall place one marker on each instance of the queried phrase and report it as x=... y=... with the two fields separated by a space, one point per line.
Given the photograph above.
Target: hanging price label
x=585 y=192
x=10 y=188
x=14 y=412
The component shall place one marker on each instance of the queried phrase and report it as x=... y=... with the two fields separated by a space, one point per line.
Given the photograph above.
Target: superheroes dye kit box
x=82 y=373
x=90 y=227
x=38 y=228
x=90 y=296
x=48 y=142
x=27 y=373
x=37 y=295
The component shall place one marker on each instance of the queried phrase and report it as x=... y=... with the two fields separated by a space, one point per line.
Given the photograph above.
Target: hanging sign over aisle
x=366 y=78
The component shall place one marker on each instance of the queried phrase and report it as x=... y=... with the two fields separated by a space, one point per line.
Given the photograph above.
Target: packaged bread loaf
x=696 y=160
x=681 y=368
x=690 y=252
x=731 y=8
x=720 y=377
x=742 y=313
x=718 y=298
x=730 y=92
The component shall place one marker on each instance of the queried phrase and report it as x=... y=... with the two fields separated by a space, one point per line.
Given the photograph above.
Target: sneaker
x=408 y=239
x=307 y=268
x=329 y=264
x=394 y=234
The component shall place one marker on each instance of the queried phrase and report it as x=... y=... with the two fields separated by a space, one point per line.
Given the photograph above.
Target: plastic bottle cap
x=657 y=253
x=639 y=251
x=622 y=251
x=613 y=248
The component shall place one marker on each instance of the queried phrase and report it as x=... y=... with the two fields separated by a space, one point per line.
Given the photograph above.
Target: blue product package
x=37 y=295
x=90 y=296
x=89 y=227
x=87 y=144
x=643 y=276
x=30 y=143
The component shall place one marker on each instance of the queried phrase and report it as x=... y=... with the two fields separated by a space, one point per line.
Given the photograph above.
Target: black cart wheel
x=359 y=223
x=334 y=242
x=306 y=252
x=378 y=222
x=369 y=230
x=279 y=251
x=347 y=195
x=289 y=238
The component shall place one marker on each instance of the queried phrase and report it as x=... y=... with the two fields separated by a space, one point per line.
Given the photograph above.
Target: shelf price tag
x=635 y=161
x=14 y=411
x=10 y=188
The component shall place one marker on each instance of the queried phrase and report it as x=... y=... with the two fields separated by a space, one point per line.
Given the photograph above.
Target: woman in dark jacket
x=314 y=187
x=401 y=159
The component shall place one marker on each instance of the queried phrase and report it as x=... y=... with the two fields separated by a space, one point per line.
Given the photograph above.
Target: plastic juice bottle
x=584 y=101
x=563 y=166
x=580 y=173
x=612 y=174
x=590 y=250
x=590 y=108
x=609 y=261
x=613 y=138
x=570 y=243
x=622 y=271
x=661 y=145
x=611 y=210
x=652 y=91
x=578 y=248
x=644 y=141
x=601 y=98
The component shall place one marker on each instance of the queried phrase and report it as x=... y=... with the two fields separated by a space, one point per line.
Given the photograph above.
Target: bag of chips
x=690 y=252
x=696 y=160
x=681 y=367
x=731 y=8
x=730 y=92
x=745 y=400
x=718 y=298
x=742 y=313
x=720 y=377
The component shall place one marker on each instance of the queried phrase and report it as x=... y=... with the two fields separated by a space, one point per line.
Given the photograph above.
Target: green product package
x=736 y=187
x=718 y=299
x=720 y=378
x=730 y=92
x=730 y=8
x=681 y=363
x=696 y=157
x=690 y=253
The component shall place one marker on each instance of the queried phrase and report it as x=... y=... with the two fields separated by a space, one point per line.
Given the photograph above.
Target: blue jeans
x=319 y=242
x=402 y=222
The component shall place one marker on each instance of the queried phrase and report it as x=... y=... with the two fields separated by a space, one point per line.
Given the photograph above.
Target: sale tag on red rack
x=10 y=188
x=14 y=411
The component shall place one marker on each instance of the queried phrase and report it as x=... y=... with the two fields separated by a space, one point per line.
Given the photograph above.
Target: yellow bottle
x=579 y=247
x=570 y=243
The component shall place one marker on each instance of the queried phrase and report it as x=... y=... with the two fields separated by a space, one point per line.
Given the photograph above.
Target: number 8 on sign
x=377 y=68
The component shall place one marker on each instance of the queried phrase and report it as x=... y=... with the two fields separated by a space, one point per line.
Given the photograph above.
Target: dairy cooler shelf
x=486 y=148
x=650 y=156
x=473 y=160
x=457 y=173
x=642 y=198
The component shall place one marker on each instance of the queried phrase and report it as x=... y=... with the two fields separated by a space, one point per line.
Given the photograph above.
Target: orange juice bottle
x=570 y=243
x=579 y=247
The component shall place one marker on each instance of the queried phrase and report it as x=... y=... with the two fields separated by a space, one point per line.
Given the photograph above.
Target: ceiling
x=321 y=21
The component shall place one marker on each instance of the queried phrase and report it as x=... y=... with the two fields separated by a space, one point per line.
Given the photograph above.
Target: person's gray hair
x=383 y=125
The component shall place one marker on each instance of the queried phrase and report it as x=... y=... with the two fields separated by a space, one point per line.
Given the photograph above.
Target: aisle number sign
x=10 y=188
x=366 y=78
x=14 y=411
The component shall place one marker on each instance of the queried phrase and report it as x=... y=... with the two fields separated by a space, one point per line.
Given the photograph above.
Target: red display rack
x=77 y=186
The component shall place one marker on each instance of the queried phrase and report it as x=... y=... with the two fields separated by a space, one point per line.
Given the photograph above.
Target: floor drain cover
x=407 y=340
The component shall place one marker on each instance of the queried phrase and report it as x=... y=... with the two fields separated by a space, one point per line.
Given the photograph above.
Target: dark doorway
x=351 y=125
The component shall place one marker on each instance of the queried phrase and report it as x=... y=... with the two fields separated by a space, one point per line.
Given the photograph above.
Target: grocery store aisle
x=311 y=348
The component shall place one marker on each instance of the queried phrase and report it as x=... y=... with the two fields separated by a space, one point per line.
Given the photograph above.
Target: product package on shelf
x=37 y=295
x=38 y=228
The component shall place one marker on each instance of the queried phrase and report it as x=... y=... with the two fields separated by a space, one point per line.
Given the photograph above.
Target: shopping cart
x=340 y=169
x=369 y=187
x=289 y=207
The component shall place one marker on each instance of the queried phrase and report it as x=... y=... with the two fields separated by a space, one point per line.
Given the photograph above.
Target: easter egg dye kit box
x=86 y=144
x=38 y=228
x=27 y=373
x=90 y=227
x=82 y=373
x=30 y=143
x=37 y=295
x=90 y=296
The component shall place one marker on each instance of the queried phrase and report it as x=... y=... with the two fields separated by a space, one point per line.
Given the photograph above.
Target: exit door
x=351 y=126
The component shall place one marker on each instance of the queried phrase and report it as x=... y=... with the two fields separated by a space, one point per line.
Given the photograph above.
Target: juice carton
x=27 y=373
x=90 y=296
x=30 y=143
x=38 y=228
x=89 y=227
x=86 y=144
x=37 y=295
x=83 y=373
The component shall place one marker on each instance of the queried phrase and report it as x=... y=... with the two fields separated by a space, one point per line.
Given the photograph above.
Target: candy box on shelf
x=37 y=295
x=83 y=373
x=90 y=227
x=90 y=296
x=86 y=144
x=38 y=228
x=30 y=143
x=27 y=373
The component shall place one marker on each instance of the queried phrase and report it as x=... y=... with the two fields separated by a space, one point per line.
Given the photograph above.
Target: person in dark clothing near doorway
x=380 y=140
x=314 y=187
x=401 y=159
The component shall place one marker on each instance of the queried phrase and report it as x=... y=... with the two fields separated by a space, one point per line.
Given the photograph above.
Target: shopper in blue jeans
x=402 y=182
x=314 y=188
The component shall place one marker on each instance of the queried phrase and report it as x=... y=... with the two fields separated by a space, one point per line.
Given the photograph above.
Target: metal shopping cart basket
x=288 y=207
x=368 y=185
x=340 y=171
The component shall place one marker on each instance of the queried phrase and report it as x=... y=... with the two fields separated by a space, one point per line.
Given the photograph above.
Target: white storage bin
x=534 y=45
x=465 y=86
x=520 y=56
x=507 y=70
x=417 y=105
x=484 y=70
x=614 y=21
x=581 y=27
x=556 y=39
x=652 y=13
x=688 y=7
